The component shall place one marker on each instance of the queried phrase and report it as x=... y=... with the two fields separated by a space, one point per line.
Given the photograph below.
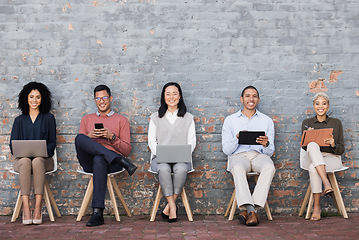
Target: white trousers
x=316 y=157
x=242 y=163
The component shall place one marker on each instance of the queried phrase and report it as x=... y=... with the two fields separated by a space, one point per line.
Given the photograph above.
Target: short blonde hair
x=321 y=94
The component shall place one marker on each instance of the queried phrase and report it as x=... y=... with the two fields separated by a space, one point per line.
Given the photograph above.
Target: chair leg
x=267 y=209
x=310 y=206
x=233 y=209
x=305 y=201
x=48 y=205
x=86 y=200
x=17 y=208
x=337 y=194
x=230 y=203
x=186 y=205
x=156 y=203
x=113 y=198
x=52 y=199
x=119 y=195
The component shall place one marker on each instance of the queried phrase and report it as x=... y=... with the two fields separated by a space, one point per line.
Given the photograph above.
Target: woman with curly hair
x=35 y=123
x=320 y=159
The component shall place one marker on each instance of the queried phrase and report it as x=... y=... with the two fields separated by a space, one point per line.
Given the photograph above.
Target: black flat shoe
x=164 y=216
x=171 y=220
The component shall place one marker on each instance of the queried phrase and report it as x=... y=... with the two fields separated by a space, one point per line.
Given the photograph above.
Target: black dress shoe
x=96 y=218
x=128 y=165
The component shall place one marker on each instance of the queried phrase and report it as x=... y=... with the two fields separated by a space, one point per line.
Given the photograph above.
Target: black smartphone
x=98 y=125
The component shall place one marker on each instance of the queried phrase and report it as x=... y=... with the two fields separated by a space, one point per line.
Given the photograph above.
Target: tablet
x=249 y=137
x=316 y=135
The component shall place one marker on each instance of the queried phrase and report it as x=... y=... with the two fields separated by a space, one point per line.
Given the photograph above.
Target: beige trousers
x=242 y=163
x=316 y=157
x=37 y=166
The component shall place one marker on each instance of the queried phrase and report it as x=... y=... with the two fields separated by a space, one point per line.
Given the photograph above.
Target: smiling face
x=172 y=96
x=250 y=99
x=103 y=102
x=34 y=100
x=321 y=106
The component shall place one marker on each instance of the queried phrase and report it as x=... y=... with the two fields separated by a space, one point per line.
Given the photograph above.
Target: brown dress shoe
x=243 y=217
x=252 y=219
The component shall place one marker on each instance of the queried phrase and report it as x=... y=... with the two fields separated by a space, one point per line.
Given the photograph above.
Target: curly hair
x=182 y=109
x=321 y=94
x=46 y=101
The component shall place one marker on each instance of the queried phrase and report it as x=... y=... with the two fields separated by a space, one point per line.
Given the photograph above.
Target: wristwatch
x=113 y=137
x=267 y=144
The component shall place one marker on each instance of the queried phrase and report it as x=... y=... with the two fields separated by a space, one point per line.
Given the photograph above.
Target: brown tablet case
x=316 y=135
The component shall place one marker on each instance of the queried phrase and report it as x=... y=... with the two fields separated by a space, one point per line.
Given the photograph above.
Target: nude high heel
x=37 y=221
x=26 y=222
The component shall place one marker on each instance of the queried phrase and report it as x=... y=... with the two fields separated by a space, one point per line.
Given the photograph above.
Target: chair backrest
x=304 y=164
x=55 y=163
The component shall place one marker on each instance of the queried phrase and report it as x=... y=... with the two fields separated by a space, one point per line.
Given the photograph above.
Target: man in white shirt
x=246 y=158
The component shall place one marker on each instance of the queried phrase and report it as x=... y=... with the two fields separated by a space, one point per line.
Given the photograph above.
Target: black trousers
x=98 y=160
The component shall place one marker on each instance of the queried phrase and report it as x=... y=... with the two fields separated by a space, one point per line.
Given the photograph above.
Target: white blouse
x=171 y=117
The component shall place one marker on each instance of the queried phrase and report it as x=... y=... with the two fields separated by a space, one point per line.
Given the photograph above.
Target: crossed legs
x=318 y=175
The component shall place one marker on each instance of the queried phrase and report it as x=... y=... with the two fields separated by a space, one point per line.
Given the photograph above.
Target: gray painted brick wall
x=213 y=49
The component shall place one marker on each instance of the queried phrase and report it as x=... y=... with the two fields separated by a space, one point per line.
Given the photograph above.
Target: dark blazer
x=44 y=128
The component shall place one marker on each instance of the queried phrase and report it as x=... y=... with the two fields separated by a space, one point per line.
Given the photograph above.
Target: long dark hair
x=46 y=101
x=182 y=109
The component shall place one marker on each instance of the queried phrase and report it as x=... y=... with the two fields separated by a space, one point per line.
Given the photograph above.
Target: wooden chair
x=48 y=197
x=158 y=199
x=159 y=196
x=308 y=199
x=112 y=189
x=232 y=206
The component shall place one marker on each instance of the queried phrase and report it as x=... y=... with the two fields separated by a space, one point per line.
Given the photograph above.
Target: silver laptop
x=29 y=148
x=173 y=153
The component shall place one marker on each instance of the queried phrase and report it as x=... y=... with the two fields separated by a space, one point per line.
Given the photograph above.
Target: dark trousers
x=98 y=160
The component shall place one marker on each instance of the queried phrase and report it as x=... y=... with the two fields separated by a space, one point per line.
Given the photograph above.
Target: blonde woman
x=318 y=159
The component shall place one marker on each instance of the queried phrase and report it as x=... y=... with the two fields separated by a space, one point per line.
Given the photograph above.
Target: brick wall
x=287 y=49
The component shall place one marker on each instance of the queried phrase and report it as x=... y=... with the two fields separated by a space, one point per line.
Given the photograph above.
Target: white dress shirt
x=171 y=117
